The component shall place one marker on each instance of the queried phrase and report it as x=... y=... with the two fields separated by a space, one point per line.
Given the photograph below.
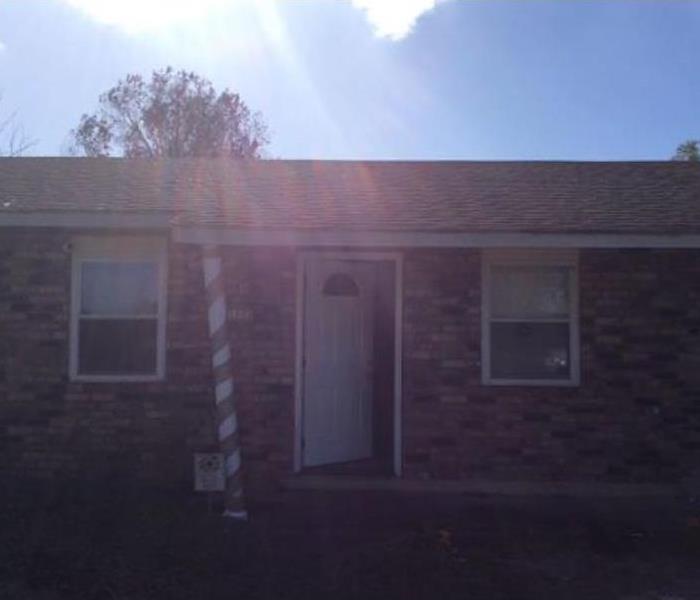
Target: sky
x=380 y=79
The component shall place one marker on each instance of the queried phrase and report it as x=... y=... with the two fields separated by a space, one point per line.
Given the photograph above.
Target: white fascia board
x=85 y=220
x=359 y=239
x=237 y=237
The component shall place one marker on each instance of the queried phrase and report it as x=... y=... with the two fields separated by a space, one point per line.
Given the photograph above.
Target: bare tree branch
x=13 y=139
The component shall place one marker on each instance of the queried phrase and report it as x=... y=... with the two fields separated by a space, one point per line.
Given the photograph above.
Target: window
x=340 y=284
x=118 y=309
x=529 y=312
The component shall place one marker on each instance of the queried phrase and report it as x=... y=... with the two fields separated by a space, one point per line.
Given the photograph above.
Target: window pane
x=524 y=291
x=119 y=288
x=117 y=346
x=340 y=284
x=530 y=351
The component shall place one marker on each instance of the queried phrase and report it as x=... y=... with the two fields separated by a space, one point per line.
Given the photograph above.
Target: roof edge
x=416 y=239
x=86 y=219
x=335 y=239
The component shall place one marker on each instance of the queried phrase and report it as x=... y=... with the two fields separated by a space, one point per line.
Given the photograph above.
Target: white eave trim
x=237 y=237
x=337 y=239
x=85 y=220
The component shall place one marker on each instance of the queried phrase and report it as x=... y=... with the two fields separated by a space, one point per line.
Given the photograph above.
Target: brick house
x=409 y=321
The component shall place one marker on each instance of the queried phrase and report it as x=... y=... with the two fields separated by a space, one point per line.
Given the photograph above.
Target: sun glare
x=147 y=15
x=391 y=19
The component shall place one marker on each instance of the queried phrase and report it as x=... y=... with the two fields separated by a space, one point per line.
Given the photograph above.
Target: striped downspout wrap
x=223 y=377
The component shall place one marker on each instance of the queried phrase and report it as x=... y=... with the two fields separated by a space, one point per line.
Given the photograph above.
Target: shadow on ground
x=116 y=545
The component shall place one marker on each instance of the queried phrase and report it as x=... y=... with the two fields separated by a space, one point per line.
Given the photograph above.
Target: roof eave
x=418 y=239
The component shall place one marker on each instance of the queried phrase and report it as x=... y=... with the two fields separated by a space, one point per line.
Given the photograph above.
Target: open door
x=338 y=361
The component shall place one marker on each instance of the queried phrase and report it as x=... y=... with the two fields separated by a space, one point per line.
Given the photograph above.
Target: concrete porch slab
x=483 y=487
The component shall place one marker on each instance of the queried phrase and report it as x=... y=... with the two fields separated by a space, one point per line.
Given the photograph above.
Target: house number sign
x=209 y=472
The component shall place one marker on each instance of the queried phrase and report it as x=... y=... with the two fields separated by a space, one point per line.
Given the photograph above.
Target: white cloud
x=2 y=47
x=394 y=19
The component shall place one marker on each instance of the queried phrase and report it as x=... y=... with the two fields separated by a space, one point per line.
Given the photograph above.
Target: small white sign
x=209 y=472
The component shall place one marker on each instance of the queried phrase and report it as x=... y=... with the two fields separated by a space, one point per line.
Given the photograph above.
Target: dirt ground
x=114 y=546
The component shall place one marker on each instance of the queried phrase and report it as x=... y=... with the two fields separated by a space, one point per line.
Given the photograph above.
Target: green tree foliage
x=688 y=151
x=175 y=114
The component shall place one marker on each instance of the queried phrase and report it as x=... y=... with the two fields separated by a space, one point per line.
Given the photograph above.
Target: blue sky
x=380 y=79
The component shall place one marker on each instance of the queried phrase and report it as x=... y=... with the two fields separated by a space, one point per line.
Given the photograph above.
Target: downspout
x=227 y=422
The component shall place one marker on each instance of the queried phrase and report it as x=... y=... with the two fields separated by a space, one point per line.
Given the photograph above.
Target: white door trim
x=302 y=258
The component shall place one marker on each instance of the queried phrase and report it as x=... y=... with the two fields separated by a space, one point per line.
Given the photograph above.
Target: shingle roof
x=547 y=197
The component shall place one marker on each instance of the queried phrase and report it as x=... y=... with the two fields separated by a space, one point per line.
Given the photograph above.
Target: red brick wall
x=261 y=291
x=50 y=426
x=635 y=417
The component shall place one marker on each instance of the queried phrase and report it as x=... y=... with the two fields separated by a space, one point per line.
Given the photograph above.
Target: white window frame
x=118 y=249
x=543 y=258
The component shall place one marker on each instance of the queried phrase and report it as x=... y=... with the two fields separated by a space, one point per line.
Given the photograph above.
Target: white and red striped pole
x=229 y=441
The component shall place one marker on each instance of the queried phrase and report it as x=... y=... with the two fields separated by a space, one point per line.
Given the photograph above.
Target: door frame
x=302 y=259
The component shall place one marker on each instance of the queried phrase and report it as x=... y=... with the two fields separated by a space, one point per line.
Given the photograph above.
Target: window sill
x=532 y=382
x=116 y=378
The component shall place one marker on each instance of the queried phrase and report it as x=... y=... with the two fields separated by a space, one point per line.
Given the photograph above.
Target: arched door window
x=340 y=284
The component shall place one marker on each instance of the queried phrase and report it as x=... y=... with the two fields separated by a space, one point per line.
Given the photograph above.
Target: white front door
x=338 y=330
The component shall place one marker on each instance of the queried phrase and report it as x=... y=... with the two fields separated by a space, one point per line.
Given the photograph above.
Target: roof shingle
x=529 y=197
